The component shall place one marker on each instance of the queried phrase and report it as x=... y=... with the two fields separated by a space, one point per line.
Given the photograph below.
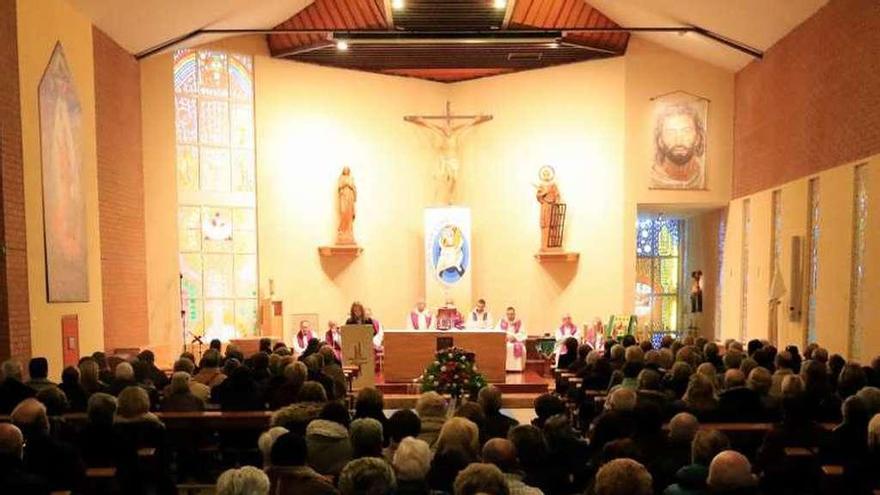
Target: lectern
x=357 y=350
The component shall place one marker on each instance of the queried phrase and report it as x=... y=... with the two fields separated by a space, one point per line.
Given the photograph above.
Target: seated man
x=38 y=369
x=57 y=462
x=12 y=390
x=302 y=337
x=13 y=478
x=480 y=319
x=448 y=317
x=333 y=338
x=420 y=317
x=516 y=338
x=566 y=330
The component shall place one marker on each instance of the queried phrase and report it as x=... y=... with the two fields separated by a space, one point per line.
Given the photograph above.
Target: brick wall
x=15 y=333
x=120 y=194
x=813 y=102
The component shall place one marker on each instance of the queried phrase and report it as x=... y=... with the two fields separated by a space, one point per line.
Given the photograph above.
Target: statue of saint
x=547 y=196
x=347 y=193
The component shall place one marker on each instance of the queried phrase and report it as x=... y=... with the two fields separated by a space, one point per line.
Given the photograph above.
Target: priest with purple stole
x=420 y=318
x=302 y=337
x=333 y=338
x=566 y=330
x=516 y=338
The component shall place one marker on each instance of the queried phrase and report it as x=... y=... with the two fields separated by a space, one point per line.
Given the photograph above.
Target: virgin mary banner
x=448 y=256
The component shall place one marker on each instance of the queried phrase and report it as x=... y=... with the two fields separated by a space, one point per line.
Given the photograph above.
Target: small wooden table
x=409 y=352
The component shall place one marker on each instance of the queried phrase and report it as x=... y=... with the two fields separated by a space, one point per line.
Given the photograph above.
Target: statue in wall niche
x=552 y=209
x=347 y=193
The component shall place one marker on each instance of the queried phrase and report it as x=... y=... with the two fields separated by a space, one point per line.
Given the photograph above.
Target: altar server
x=302 y=337
x=516 y=338
x=333 y=337
x=480 y=319
x=420 y=318
x=566 y=330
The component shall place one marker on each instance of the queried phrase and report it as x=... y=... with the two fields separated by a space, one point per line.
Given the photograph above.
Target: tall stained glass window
x=744 y=271
x=775 y=248
x=813 y=280
x=857 y=277
x=658 y=271
x=217 y=222
x=722 y=235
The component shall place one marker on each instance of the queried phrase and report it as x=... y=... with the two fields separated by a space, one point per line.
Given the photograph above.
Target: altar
x=408 y=352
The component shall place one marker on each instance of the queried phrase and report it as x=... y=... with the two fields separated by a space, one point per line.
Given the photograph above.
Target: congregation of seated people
x=637 y=420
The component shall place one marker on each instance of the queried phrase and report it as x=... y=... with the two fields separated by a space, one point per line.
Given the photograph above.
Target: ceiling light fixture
x=398 y=4
x=499 y=4
x=341 y=45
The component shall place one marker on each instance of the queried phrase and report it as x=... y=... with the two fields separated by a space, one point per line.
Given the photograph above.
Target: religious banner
x=64 y=203
x=448 y=256
x=679 y=142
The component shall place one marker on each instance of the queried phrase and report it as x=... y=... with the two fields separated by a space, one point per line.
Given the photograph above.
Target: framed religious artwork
x=679 y=142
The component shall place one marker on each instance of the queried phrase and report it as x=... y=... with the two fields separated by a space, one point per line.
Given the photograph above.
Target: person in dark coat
x=238 y=392
x=497 y=424
x=153 y=373
x=75 y=393
x=738 y=403
x=289 y=474
x=57 y=462
x=691 y=479
x=13 y=477
x=12 y=390
x=99 y=442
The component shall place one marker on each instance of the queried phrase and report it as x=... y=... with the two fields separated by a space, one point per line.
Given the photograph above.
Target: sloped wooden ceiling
x=447 y=40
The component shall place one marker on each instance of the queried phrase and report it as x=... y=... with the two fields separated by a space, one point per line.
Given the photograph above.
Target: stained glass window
x=744 y=270
x=813 y=281
x=860 y=223
x=658 y=271
x=776 y=246
x=722 y=235
x=217 y=236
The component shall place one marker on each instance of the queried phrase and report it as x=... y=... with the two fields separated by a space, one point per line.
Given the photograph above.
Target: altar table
x=409 y=352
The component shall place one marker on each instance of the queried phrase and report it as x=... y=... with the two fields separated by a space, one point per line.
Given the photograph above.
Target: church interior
x=530 y=187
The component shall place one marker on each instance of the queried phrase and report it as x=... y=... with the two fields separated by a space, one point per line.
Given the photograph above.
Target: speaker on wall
x=796 y=279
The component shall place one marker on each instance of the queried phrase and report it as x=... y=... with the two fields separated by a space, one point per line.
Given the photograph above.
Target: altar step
x=526 y=383
x=508 y=401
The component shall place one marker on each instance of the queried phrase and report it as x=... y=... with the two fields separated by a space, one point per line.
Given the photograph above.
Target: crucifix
x=448 y=131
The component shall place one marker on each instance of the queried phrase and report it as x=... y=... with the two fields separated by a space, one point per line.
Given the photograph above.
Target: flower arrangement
x=452 y=372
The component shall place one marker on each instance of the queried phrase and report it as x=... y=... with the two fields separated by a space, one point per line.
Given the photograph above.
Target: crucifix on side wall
x=448 y=128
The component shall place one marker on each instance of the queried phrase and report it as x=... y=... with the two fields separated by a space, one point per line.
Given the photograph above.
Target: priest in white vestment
x=420 y=318
x=566 y=330
x=480 y=318
x=302 y=337
x=516 y=340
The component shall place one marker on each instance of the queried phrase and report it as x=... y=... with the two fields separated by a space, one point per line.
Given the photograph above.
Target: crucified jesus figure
x=448 y=134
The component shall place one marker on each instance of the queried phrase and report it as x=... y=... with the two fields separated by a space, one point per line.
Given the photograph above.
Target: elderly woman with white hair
x=412 y=461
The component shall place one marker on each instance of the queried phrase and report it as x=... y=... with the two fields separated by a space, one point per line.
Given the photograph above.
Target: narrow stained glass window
x=857 y=277
x=722 y=234
x=744 y=296
x=813 y=280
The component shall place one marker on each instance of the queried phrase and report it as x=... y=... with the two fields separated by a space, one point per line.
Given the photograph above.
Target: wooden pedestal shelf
x=557 y=256
x=350 y=250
